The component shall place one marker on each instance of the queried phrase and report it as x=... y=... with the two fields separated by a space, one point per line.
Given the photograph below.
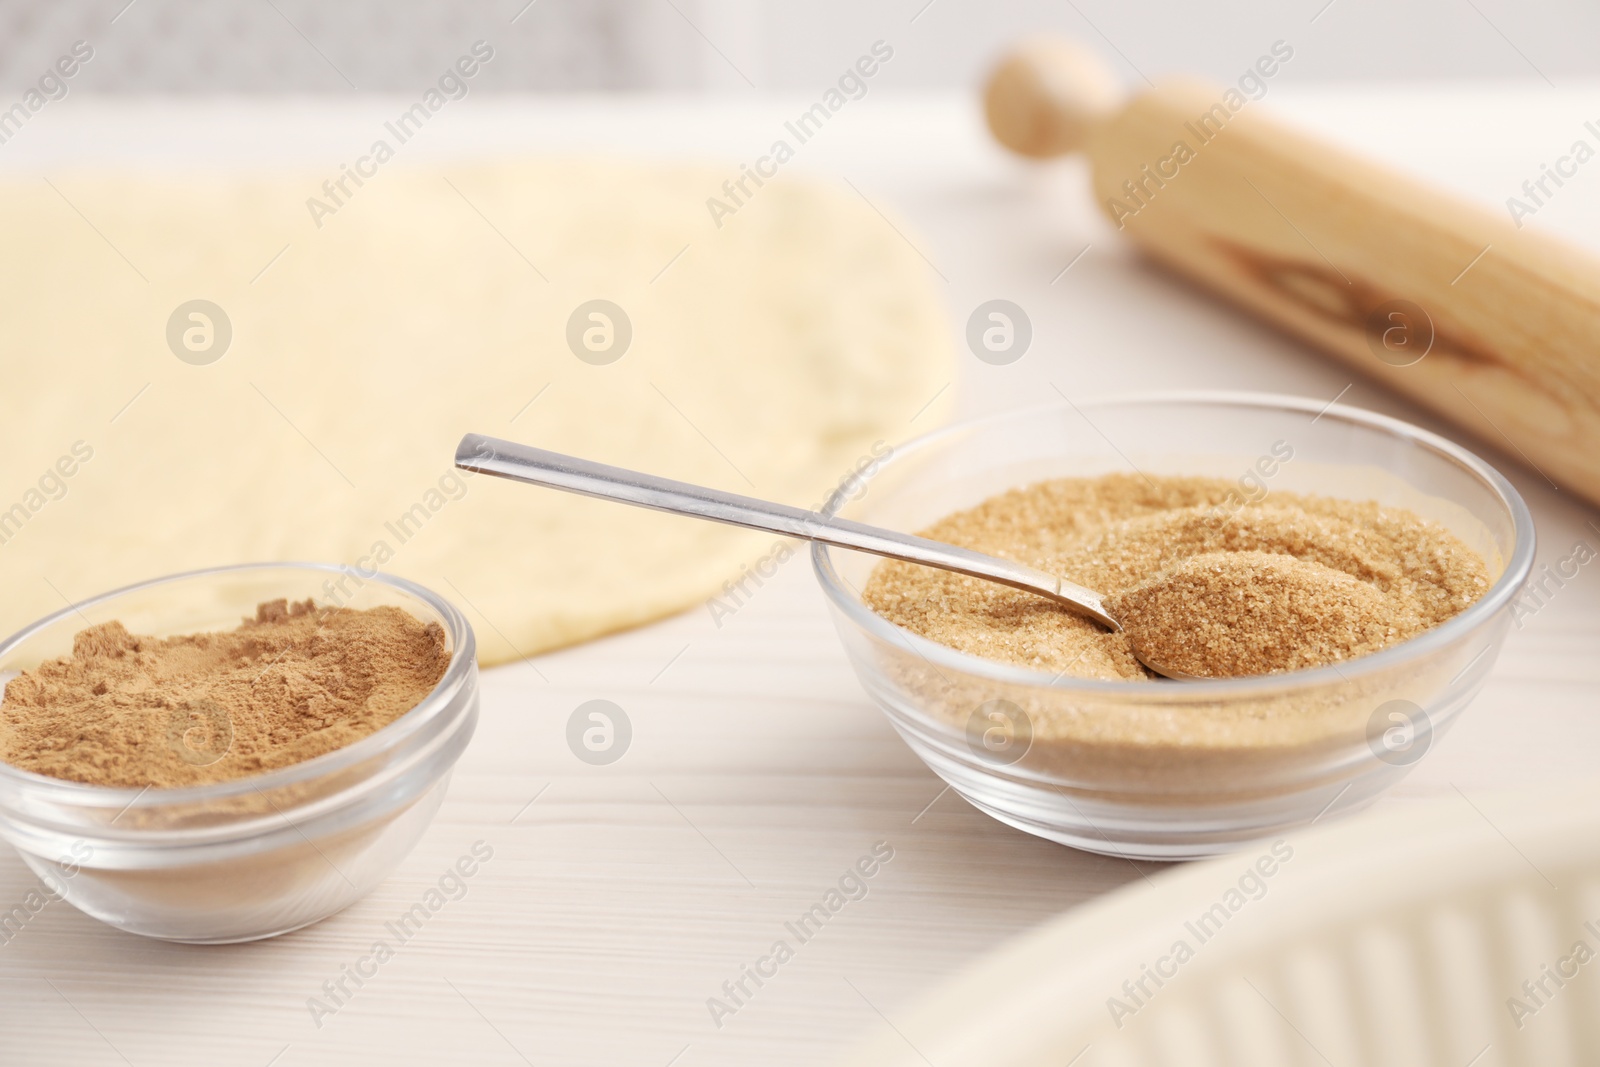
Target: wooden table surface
x=620 y=898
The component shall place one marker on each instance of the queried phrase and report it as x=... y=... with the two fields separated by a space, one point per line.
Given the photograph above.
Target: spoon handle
x=523 y=463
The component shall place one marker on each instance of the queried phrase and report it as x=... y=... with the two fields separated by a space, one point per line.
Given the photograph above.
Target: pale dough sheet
x=768 y=358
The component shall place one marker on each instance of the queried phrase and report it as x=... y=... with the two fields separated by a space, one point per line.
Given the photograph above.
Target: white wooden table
x=620 y=898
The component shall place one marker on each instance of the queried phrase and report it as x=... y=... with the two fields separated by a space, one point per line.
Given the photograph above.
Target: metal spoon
x=523 y=463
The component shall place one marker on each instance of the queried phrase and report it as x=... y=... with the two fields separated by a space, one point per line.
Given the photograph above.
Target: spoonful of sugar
x=536 y=466
x=1228 y=614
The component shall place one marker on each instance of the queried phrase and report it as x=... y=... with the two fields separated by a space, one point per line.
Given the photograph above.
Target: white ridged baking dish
x=1444 y=935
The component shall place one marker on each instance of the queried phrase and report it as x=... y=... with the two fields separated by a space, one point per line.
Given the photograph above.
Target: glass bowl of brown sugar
x=1045 y=723
x=310 y=821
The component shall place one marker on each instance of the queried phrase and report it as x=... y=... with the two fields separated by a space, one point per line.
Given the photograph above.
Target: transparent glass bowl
x=259 y=856
x=1162 y=769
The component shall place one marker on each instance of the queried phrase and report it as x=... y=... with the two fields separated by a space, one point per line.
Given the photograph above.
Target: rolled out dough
x=767 y=356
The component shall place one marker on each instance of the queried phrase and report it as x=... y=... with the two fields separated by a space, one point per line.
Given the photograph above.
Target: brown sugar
x=294 y=682
x=1216 y=587
x=1225 y=614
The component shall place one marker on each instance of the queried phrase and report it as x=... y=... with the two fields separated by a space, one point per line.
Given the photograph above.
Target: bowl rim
x=463 y=666
x=1517 y=566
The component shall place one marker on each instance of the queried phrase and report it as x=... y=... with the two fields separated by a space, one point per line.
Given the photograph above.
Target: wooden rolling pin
x=1495 y=327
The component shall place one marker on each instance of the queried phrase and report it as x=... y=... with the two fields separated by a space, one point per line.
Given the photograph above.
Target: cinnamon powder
x=295 y=682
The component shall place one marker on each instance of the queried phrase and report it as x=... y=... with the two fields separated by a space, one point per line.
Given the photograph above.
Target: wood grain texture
x=1444 y=300
x=616 y=902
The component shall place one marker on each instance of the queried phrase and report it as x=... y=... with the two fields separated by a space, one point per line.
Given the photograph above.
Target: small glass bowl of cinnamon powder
x=233 y=753
x=1344 y=579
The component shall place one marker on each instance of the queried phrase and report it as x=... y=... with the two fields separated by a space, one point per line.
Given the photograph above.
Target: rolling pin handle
x=1044 y=97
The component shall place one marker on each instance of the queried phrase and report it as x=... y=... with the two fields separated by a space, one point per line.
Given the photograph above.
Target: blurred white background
x=748 y=46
